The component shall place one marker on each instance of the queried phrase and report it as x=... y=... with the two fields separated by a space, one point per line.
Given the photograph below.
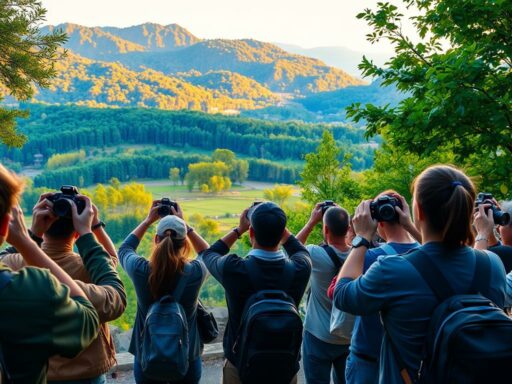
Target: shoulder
x=37 y=284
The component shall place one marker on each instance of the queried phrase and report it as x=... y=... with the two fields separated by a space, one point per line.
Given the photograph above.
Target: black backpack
x=270 y=335
x=5 y=378
x=469 y=338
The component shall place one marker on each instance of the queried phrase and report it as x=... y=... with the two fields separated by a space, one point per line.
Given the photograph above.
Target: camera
x=326 y=205
x=383 y=209
x=165 y=205
x=252 y=208
x=62 y=201
x=500 y=217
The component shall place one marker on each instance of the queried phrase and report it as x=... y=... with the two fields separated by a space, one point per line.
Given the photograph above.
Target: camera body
x=500 y=217
x=383 y=208
x=164 y=208
x=62 y=201
x=326 y=205
x=252 y=208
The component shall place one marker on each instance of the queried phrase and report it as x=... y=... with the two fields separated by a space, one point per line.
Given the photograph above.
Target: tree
x=325 y=178
x=218 y=184
x=455 y=77
x=174 y=175
x=279 y=194
x=27 y=58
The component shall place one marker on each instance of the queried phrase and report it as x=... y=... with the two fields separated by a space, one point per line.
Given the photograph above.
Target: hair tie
x=455 y=184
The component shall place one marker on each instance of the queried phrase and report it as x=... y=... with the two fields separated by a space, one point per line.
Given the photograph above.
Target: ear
x=419 y=214
x=381 y=224
x=251 y=235
x=157 y=239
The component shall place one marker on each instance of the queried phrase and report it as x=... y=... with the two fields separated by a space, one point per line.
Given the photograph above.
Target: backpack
x=270 y=334
x=206 y=324
x=469 y=338
x=5 y=378
x=341 y=323
x=164 y=337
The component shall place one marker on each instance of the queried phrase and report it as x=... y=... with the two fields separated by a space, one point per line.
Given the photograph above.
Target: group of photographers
x=378 y=288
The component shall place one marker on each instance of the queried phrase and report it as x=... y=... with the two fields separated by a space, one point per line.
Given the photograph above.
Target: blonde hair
x=167 y=261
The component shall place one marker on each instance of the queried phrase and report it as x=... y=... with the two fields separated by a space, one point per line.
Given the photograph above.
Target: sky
x=307 y=23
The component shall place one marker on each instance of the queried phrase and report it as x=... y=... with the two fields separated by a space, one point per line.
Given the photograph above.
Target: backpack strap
x=431 y=274
x=336 y=260
x=255 y=275
x=182 y=282
x=388 y=249
x=482 y=275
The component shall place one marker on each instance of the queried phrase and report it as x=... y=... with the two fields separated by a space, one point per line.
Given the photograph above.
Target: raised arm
x=19 y=238
x=102 y=236
x=314 y=219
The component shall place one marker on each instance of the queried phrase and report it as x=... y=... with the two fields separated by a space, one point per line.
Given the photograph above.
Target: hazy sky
x=308 y=23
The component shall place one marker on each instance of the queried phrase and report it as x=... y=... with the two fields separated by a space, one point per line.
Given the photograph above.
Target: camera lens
x=500 y=217
x=387 y=212
x=62 y=208
x=164 y=210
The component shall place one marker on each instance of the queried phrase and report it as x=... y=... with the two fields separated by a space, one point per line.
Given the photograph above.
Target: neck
x=57 y=245
x=338 y=243
x=398 y=236
x=268 y=249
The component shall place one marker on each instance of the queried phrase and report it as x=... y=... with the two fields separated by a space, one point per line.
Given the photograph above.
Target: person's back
x=44 y=312
x=152 y=280
x=324 y=352
x=100 y=282
x=267 y=229
x=443 y=208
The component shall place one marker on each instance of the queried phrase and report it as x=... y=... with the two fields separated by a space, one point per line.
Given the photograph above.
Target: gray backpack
x=165 y=342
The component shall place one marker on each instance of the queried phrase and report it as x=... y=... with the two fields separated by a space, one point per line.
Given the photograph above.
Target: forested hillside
x=274 y=150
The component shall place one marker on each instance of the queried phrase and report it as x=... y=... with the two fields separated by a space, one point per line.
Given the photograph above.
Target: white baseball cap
x=173 y=223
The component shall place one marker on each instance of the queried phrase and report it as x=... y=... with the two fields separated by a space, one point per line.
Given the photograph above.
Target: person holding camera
x=44 y=311
x=168 y=270
x=407 y=289
x=324 y=352
x=363 y=360
x=93 y=268
x=263 y=290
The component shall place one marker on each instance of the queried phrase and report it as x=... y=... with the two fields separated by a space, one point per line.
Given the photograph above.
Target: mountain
x=172 y=49
x=103 y=42
x=339 y=57
x=84 y=81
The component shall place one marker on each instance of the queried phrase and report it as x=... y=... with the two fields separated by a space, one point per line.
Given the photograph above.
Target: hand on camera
x=244 y=224
x=316 y=214
x=18 y=234
x=484 y=221
x=42 y=215
x=153 y=215
x=404 y=213
x=364 y=225
x=177 y=212
x=82 y=222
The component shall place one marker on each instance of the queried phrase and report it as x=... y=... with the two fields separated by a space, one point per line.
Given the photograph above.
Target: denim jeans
x=321 y=358
x=192 y=377
x=361 y=371
x=102 y=379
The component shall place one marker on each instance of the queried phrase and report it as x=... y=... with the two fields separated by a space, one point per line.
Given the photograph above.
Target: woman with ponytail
x=157 y=276
x=443 y=207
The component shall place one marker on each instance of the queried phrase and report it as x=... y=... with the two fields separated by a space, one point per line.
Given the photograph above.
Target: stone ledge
x=125 y=359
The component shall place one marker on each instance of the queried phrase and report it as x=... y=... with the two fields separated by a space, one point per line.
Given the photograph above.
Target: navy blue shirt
x=395 y=288
x=368 y=331
x=231 y=272
x=138 y=269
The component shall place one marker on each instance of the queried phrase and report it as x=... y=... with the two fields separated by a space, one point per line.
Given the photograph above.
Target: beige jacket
x=100 y=356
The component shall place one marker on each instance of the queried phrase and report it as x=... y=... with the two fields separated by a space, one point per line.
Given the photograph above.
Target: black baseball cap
x=268 y=221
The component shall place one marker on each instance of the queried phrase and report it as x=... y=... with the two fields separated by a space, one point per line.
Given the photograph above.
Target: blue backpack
x=469 y=338
x=270 y=334
x=165 y=342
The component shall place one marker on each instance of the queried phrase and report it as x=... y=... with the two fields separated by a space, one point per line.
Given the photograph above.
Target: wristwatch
x=96 y=226
x=237 y=231
x=360 y=241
